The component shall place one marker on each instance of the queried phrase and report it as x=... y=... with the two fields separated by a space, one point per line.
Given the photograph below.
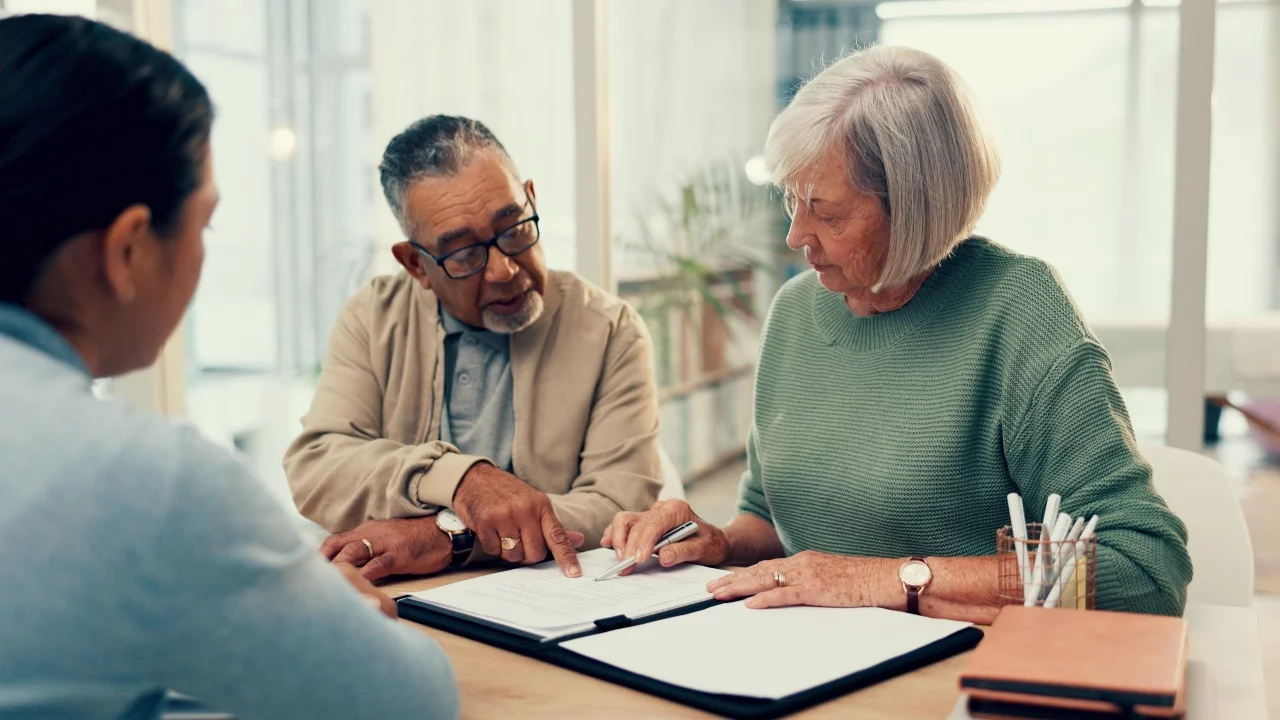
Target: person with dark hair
x=476 y=405
x=143 y=557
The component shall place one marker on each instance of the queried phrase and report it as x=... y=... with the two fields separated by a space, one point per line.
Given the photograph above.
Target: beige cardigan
x=586 y=410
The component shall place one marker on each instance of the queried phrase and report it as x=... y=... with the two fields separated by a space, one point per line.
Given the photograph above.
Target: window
x=696 y=236
x=1243 y=293
x=308 y=94
x=1085 y=118
x=1081 y=104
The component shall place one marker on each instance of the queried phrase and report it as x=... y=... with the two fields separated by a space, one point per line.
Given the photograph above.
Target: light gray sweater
x=139 y=557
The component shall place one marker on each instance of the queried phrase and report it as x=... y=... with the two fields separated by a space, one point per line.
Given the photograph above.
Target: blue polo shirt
x=480 y=416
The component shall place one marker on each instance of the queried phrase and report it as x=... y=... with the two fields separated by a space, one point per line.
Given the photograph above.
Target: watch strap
x=913 y=593
x=463 y=542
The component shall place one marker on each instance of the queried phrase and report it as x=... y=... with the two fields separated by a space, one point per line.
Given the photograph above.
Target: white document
x=733 y=650
x=542 y=601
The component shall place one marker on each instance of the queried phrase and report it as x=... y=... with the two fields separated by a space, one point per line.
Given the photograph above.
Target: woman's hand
x=815 y=578
x=633 y=534
x=372 y=595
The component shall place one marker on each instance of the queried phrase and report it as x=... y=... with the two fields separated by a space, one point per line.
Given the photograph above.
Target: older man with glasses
x=476 y=405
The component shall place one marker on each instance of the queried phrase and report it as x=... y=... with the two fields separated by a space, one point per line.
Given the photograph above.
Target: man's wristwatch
x=459 y=534
x=915 y=576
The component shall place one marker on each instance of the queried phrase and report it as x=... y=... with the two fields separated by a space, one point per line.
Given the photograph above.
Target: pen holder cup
x=1068 y=570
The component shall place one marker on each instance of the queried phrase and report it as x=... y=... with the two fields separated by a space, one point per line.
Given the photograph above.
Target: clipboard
x=733 y=706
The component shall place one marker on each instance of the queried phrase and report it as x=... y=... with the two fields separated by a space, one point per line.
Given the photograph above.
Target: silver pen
x=673 y=535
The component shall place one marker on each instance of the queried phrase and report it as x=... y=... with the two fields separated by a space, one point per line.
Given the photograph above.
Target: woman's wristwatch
x=459 y=534
x=915 y=575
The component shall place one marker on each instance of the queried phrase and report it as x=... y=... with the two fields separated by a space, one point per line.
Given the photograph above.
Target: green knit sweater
x=901 y=434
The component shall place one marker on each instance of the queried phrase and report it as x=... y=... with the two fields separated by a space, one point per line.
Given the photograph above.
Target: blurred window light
x=87 y=8
x=756 y=171
x=283 y=143
x=1176 y=3
x=933 y=8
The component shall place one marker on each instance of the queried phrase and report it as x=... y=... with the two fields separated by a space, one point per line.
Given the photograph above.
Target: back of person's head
x=92 y=121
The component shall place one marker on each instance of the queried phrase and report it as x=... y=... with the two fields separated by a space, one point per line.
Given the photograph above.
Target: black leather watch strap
x=463 y=542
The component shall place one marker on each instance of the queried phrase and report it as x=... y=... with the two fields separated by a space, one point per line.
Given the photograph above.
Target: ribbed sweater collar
x=840 y=326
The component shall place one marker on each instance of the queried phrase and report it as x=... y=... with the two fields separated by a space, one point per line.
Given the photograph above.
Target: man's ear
x=123 y=251
x=533 y=195
x=413 y=262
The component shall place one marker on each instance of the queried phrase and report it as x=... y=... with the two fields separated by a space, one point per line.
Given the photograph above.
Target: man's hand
x=496 y=505
x=633 y=534
x=373 y=595
x=407 y=546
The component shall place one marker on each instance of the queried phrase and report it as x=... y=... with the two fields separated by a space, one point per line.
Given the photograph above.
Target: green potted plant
x=702 y=244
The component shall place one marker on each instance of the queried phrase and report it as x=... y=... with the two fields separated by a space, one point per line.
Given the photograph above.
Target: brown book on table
x=1051 y=663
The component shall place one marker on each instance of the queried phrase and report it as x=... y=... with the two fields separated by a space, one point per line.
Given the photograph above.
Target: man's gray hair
x=912 y=137
x=435 y=146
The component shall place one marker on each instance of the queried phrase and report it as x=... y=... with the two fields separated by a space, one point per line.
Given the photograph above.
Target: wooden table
x=1224 y=678
x=500 y=684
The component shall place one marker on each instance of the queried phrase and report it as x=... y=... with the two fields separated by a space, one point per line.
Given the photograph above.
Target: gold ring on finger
x=779 y=578
x=510 y=543
x=368 y=546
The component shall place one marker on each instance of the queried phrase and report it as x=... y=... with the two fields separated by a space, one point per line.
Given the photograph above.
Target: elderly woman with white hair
x=916 y=377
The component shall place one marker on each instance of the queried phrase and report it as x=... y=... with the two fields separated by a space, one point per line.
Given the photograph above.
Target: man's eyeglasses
x=471 y=259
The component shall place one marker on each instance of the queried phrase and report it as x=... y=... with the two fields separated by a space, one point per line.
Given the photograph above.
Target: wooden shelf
x=707 y=379
x=636 y=282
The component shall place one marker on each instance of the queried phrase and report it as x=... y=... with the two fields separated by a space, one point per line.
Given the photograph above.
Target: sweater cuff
x=440 y=481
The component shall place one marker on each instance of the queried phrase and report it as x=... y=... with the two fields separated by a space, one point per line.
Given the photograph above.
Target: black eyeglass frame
x=490 y=243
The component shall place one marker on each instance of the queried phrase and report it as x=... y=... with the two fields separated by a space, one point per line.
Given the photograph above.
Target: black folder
x=734 y=706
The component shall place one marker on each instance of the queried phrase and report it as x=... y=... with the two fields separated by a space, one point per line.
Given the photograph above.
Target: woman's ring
x=368 y=546
x=779 y=579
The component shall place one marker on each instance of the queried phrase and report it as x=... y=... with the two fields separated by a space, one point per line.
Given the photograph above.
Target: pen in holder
x=1067 y=576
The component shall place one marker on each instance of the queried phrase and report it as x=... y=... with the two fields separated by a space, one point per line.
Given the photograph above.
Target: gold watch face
x=915 y=574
